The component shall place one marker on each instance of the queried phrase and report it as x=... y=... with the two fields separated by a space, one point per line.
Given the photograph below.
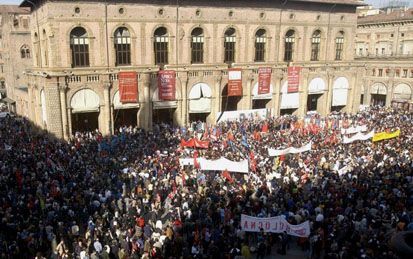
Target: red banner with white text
x=293 y=79
x=264 y=80
x=166 y=85
x=234 y=82
x=128 y=87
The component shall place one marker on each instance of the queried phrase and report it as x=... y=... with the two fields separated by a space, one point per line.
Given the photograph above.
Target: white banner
x=353 y=130
x=217 y=165
x=290 y=150
x=358 y=136
x=274 y=225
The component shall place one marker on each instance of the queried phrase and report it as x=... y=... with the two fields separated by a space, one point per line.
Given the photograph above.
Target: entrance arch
x=260 y=101
x=124 y=114
x=378 y=94
x=340 y=93
x=85 y=105
x=199 y=102
x=229 y=103
x=402 y=92
x=164 y=111
x=316 y=89
x=289 y=101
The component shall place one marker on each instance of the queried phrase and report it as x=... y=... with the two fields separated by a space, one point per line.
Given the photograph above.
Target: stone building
x=80 y=48
x=15 y=56
x=384 y=44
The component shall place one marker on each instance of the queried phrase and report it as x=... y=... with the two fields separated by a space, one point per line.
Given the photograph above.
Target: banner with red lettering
x=264 y=80
x=274 y=225
x=293 y=79
x=128 y=87
x=234 y=82
x=166 y=85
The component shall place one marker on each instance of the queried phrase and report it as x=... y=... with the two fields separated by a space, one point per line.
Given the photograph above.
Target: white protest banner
x=260 y=114
x=290 y=150
x=274 y=225
x=218 y=165
x=358 y=136
x=353 y=130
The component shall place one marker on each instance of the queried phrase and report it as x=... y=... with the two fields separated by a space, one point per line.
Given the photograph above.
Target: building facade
x=15 y=56
x=384 y=44
x=80 y=48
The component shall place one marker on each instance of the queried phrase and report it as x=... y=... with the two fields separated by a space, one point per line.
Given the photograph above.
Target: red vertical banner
x=293 y=79
x=166 y=85
x=128 y=87
x=264 y=80
x=234 y=82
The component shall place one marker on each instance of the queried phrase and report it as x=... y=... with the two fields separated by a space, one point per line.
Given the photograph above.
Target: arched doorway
x=316 y=90
x=340 y=93
x=163 y=111
x=261 y=101
x=85 y=110
x=199 y=102
x=378 y=94
x=289 y=101
x=402 y=96
x=124 y=114
x=229 y=103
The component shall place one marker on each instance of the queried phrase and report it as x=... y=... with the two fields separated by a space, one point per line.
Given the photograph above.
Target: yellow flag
x=384 y=135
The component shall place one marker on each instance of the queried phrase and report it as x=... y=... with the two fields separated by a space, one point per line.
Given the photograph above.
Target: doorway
x=83 y=122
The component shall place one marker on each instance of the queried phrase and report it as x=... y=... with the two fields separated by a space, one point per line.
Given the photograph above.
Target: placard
x=128 y=87
x=166 y=85
x=264 y=80
x=293 y=79
x=234 y=82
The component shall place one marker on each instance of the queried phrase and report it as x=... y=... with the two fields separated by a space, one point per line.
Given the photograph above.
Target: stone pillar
x=107 y=117
x=327 y=107
x=276 y=99
x=249 y=92
x=354 y=93
x=389 y=95
x=145 y=109
x=63 y=105
x=53 y=107
x=184 y=114
x=69 y=121
x=367 y=88
x=303 y=92
x=216 y=104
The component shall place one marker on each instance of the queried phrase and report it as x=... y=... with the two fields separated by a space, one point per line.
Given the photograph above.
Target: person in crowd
x=128 y=196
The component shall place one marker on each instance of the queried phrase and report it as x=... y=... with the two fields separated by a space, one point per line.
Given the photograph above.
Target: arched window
x=339 y=45
x=122 y=47
x=315 y=45
x=289 y=45
x=161 y=46
x=260 y=40
x=79 y=45
x=229 y=45
x=25 y=52
x=197 y=46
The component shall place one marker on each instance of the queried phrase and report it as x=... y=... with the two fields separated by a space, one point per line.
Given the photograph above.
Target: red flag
x=201 y=144
x=227 y=176
x=196 y=164
x=189 y=143
x=257 y=135
x=253 y=163
x=264 y=128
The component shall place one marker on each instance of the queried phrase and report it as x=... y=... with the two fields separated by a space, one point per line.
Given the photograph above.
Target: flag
x=264 y=128
x=227 y=176
x=253 y=163
x=189 y=143
x=201 y=144
x=196 y=163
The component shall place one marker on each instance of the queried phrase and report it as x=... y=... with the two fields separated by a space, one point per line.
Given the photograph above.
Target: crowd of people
x=127 y=196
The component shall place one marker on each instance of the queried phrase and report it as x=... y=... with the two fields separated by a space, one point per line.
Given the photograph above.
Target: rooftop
x=398 y=15
x=14 y=9
x=26 y=3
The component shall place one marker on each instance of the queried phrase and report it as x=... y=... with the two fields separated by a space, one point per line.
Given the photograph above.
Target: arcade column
x=107 y=117
x=63 y=105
